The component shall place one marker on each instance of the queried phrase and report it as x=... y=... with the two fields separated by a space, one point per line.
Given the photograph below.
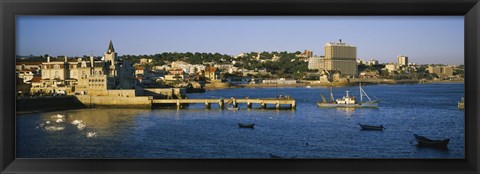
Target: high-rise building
x=341 y=56
x=402 y=60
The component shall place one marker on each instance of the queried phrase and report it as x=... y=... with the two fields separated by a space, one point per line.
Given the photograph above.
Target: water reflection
x=89 y=120
x=347 y=111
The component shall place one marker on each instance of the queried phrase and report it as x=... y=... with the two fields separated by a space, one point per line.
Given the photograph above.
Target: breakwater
x=48 y=103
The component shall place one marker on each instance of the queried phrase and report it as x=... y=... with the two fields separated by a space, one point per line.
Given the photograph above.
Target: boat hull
x=241 y=125
x=372 y=104
x=425 y=142
x=368 y=127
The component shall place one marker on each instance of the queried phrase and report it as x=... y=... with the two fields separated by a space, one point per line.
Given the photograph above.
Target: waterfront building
x=238 y=80
x=316 y=63
x=369 y=74
x=342 y=57
x=82 y=76
x=212 y=73
x=390 y=67
x=441 y=71
x=402 y=60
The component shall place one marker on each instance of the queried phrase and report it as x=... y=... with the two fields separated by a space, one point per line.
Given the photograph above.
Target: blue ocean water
x=307 y=132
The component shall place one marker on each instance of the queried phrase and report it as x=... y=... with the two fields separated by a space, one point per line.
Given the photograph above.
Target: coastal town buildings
x=316 y=63
x=372 y=62
x=83 y=76
x=441 y=71
x=402 y=60
x=306 y=54
x=212 y=73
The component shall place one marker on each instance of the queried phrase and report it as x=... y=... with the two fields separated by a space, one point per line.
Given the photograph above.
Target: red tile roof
x=211 y=69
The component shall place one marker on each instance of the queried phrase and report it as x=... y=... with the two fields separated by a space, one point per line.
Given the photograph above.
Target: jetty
x=263 y=102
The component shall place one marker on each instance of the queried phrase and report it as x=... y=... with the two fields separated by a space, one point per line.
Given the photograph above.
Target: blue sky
x=424 y=39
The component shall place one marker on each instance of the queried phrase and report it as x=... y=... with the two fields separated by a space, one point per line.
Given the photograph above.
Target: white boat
x=348 y=101
x=233 y=109
x=308 y=87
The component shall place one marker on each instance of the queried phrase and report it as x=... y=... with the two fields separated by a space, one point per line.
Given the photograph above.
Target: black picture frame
x=470 y=9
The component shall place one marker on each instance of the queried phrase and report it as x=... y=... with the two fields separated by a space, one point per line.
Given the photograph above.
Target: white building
x=402 y=60
x=316 y=63
x=372 y=62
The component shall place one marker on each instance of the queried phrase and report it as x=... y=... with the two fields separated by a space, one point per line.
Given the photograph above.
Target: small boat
x=308 y=87
x=426 y=142
x=348 y=101
x=243 y=125
x=369 y=127
x=232 y=109
x=461 y=104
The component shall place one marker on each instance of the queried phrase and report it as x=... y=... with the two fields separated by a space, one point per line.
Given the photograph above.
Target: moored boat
x=349 y=101
x=232 y=109
x=461 y=104
x=426 y=142
x=370 y=127
x=245 y=125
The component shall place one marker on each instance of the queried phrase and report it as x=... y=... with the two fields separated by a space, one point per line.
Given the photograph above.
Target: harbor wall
x=164 y=93
x=215 y=85
x=115 y=101
x=47 y=103
x=114 y=92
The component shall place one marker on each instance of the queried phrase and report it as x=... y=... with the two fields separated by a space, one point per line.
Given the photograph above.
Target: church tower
x=110 y=54
x=111 y=59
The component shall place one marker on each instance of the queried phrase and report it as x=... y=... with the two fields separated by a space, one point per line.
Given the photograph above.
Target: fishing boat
x=461 y=104
x=426 y=142
x=348 y=101
x=243 y=125
x=369 y=127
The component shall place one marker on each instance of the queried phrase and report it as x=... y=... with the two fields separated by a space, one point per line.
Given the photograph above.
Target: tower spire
x=110 y=47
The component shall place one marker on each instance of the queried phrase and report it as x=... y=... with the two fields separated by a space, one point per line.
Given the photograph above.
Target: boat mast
x=363 y=92
x=331 y=95
x=361 y=95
